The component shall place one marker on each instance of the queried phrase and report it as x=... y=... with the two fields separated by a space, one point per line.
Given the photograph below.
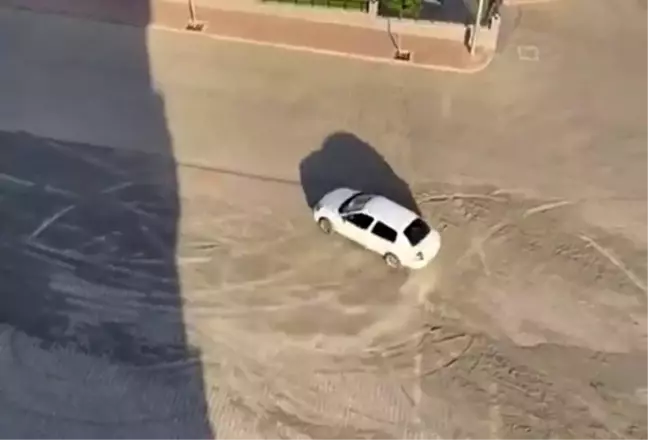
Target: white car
x=375 y=222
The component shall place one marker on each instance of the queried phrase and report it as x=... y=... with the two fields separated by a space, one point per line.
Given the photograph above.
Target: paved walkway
x=286 y=32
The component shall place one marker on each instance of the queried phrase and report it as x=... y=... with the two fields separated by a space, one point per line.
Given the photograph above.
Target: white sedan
x=375 y=222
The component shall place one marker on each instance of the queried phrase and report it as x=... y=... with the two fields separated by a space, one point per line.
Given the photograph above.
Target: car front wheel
x=325 y=225
x=392 y=261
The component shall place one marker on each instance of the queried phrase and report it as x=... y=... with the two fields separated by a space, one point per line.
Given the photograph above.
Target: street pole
x=478 y=19
x=194 y=24
x=192 y=12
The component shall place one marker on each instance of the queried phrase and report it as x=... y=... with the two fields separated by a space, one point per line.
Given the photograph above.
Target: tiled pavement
x=292 y=33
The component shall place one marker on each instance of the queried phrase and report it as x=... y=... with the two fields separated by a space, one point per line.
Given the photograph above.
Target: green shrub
x=403 y=8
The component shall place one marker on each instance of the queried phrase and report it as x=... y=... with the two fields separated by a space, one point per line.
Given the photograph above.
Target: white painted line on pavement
x=528 y=53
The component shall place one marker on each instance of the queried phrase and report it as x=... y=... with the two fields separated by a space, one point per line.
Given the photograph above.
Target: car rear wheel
x=392 y=261
x=325 y=225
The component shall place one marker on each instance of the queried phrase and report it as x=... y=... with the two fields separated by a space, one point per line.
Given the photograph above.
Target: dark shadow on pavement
x=443 y=11
x=92 y=336
x=449 y=11
x=344 y=160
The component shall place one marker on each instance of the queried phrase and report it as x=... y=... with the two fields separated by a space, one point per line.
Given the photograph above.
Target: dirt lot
x=144 y=297
x=529 y=325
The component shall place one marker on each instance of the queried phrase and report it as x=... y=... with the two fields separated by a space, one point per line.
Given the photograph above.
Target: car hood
x=335 y=198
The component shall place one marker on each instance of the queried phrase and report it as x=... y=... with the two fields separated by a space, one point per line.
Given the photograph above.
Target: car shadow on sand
x=345 y=160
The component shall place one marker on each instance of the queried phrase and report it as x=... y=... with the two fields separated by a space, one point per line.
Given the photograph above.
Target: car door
x=356 y=227
x=383 y=238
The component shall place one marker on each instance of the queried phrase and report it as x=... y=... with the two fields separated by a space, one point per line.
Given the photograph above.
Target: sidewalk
x=286 y=32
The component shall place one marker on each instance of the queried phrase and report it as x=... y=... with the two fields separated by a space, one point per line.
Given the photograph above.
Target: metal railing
x=358 y=5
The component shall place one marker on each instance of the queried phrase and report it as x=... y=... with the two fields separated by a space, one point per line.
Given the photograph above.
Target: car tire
x=392 y=261
x=325 y=225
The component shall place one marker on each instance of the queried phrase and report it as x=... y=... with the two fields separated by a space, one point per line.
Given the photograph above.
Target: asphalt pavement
x=96 y=119
x=563 y=102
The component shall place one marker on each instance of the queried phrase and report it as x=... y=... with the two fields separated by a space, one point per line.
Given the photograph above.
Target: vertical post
x=192 y=12
x=194 y=24
x=478 y=19
x=373 y=8
x=398 y=34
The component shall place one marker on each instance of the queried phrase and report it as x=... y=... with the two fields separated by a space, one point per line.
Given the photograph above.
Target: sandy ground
x=146 y=296
x=510 y=333
x=529 y=324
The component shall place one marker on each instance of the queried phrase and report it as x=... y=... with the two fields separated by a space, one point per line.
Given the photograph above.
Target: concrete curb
x=477 y=67
x=526 y=2
x=366 y=58
x=319 y=14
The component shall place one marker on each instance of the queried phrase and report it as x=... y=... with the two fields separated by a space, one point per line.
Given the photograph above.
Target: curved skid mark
x=454 y=359
x=117 y=187
x=82 y=258
x=425 y=198
x=267 y=246
x=267 y=281
x=216 y=309
x=16 y=180
x=48 y=221
x=614 y=260
x=546 y=207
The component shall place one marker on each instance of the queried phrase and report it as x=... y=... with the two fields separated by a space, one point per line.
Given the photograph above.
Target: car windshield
x=416 y=231
x=355 y=203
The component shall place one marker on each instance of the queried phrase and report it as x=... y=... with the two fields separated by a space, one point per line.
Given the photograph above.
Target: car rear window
x=416 y=231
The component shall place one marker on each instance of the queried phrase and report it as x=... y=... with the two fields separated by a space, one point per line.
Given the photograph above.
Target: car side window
x=385 y=232
x=363 y=221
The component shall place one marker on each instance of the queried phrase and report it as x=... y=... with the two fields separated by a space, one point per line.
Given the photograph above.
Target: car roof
x=390 y=213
